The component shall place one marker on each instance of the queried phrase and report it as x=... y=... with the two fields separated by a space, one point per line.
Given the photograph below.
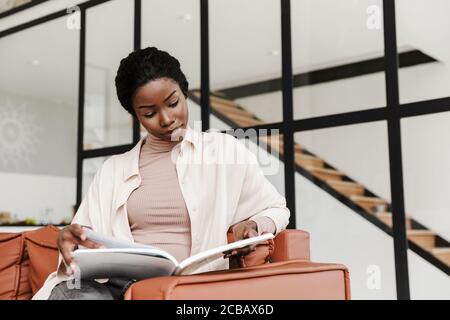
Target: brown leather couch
x=280 y=269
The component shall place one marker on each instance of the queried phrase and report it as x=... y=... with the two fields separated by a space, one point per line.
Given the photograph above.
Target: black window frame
x=20 y=8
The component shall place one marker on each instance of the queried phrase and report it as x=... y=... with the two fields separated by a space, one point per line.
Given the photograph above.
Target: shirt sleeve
x=90 y=205
x=94 y=206
x=264 y=225
x=258 y=197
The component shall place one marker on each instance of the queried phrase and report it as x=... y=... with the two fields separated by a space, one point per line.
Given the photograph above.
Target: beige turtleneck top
x=157 y=212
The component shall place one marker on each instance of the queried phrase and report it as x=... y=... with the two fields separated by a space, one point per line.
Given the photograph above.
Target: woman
x=176 y=189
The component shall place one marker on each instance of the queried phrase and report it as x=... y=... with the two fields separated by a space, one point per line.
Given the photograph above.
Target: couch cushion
x=43 y=254
x=24 y=286
x=291 y=245
x=11 y=246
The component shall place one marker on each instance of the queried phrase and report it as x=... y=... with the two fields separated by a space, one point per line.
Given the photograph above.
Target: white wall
x=426 y=170
x=425 y=281
x=30 y=196
x=37 y=136
x=38 y=154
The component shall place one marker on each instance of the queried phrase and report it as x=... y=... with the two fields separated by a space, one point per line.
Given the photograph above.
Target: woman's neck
x=157 y=144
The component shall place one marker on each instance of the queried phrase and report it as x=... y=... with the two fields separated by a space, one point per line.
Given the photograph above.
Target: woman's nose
x=166 y=119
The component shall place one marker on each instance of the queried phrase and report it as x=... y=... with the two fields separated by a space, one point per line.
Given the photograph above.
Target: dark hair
x=142 y=66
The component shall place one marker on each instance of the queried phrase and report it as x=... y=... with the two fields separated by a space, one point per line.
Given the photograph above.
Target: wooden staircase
x=353 y=192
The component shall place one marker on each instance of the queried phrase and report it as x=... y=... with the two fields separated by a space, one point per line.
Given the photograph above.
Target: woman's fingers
x=241 y=251
x=77 y=231
x=242 y=233
x=248 y=233
x=91 y=244
x=66 y=252
x=244 y=251
x=70 y=238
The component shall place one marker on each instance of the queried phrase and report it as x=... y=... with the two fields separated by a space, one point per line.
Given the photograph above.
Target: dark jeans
x=114 y=289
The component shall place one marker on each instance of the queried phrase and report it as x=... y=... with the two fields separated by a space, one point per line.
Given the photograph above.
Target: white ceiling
x=245 y=41
x=55 y=47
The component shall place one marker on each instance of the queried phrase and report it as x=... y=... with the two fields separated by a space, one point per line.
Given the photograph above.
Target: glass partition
x=108 y=40
x=38 y=124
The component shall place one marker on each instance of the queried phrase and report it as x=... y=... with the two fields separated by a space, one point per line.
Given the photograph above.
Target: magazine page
x=133 y=263
x=122 y=258
x=189 y=265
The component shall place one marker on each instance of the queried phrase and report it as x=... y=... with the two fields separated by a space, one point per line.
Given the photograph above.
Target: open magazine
x=137 y=261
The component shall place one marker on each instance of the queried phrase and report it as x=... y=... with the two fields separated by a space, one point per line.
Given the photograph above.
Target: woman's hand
x=68 y=240
x=242 y=230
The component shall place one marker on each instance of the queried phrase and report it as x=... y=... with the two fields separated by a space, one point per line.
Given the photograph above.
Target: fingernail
x=83 y=237
x=73 y=266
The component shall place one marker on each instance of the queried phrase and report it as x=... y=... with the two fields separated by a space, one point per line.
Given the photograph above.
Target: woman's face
x=161 y=107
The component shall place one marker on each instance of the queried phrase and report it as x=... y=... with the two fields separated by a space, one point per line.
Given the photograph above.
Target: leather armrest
x=291 y=245
x=296 y=279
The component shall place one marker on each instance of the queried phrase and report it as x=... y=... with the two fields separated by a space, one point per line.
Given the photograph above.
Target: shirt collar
x=131 y=165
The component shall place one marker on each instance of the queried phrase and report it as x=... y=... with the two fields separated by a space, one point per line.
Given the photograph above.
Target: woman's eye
x=173 y=105
x=149 y=115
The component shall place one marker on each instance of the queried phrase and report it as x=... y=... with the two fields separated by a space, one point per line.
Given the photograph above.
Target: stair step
x=87 y=146
x=277 y=141
x=218 y=93
x=371 y=204
x=226 y=110
x=347 y=188
x=386 y=217
x=325 y=174
x=243 y=121
x=424 y=238
x=305 y=160
x=223 y=101
x=443 y=254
